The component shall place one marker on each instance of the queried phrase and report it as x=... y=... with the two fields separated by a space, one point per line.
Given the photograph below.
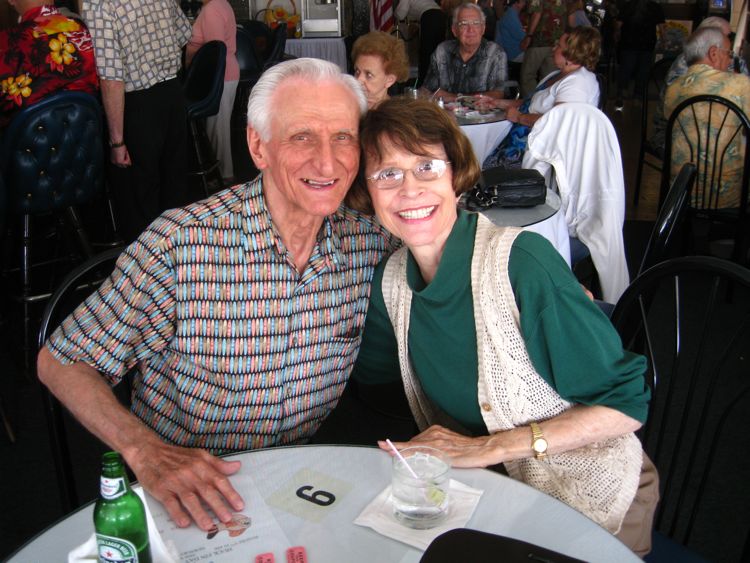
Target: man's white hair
x=717 y=22
x=698 y=44
x=469 y=6
x=260 y=104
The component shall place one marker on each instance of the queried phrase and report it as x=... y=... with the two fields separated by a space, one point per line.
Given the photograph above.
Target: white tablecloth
x=326 y=48
x=484 y=137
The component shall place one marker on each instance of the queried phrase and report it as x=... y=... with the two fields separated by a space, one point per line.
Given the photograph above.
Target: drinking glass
x=420 y=502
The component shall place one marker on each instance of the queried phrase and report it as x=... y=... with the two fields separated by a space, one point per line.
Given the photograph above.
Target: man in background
x=138 y=47
x=469 y=64
x=546 y=25
x=45 y=53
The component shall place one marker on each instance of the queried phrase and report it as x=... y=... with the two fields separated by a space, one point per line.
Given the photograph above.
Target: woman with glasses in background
x=503 y=357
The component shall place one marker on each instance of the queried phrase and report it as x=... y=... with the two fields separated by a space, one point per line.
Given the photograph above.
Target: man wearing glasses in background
x=469 y=64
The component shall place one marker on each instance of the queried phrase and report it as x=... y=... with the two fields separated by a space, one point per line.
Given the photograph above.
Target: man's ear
x=256 y=148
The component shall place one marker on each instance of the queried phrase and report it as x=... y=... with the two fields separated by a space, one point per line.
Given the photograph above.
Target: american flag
x=381 y=15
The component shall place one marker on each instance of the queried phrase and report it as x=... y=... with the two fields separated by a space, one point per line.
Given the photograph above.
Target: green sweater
x=571 y=343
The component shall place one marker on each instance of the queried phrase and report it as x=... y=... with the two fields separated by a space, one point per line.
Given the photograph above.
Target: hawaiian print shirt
x=45 y=53
x=486 y=70
x=552 y=23
x=704 y=79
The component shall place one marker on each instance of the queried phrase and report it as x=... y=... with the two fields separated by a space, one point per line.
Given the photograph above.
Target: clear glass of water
x=420 y=502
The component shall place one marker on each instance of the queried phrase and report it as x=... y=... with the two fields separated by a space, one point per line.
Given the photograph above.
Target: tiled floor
x=27 y=479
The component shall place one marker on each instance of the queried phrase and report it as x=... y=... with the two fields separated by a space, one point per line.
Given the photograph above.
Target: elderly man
x=138 y=46
x=708 y=53
x=45 y=53
x=679 y=68
x=242 y=313
x=468 y=64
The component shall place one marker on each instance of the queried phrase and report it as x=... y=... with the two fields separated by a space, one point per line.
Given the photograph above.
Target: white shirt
x=413 y=9
x=579 y=86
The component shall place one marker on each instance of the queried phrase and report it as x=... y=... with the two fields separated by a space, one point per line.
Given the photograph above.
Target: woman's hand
x=463 y=451
x=513 y=115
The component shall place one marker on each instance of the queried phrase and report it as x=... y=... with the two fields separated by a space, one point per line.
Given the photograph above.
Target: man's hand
x=185 y=481
x=120 y=157
x=525 y=42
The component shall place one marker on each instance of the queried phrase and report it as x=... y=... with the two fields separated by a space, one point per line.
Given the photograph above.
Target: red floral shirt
x=46 y=52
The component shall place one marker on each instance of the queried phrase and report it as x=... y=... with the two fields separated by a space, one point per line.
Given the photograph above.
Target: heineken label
x=112 y=487
x=115 y=550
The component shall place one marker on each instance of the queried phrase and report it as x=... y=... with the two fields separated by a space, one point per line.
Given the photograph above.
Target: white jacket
x=580 y=144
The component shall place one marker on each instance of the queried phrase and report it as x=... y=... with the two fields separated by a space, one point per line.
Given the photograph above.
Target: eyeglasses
x=392 y=177
x=473 y=23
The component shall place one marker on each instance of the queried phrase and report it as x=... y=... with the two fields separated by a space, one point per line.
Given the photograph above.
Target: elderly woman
x=576 y=54
x=503 y=357
x=379 y=62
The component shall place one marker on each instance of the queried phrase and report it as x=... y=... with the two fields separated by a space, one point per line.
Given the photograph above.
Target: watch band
x=538 y=443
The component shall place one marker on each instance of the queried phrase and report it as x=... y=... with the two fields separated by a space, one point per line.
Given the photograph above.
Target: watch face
x=540 y=445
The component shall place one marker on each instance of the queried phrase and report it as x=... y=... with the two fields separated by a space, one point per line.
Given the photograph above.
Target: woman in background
x=216 y=22
x=379 y=62
x=575 y=54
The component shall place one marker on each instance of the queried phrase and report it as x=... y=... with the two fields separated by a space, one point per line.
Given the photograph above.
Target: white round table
x=484 y=137
x=353 y=476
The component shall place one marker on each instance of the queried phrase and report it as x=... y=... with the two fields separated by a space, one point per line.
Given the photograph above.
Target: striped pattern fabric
x=381 y=15
x=234 y=348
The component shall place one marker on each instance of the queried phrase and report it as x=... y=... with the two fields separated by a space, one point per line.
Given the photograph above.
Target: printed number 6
x=321 y=498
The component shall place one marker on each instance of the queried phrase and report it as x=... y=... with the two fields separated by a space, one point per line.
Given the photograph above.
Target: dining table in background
x=484 y=136
x=344 y=480
x=331 y=49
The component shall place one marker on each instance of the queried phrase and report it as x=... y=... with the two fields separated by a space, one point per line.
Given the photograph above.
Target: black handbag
x=500 y=187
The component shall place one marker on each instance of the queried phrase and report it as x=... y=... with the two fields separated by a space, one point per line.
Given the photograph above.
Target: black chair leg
x=60 y=453
x=75 y=224
x=6 y=423
x=26 y=296
x=638 y=177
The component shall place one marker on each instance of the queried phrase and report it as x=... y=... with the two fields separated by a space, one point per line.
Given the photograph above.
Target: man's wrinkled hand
x=186 y=481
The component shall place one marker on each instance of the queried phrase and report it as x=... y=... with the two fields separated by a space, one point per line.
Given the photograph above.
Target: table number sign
x=310 y=494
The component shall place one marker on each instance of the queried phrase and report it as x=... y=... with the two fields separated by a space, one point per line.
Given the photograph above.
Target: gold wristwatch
x=538 y=443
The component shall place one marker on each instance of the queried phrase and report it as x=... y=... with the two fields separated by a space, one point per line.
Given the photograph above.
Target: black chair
x=203 y=87
x=690 y=316
x=276 y=54
x=670 y=218
x=262 y=37
x=6 y=421
x=52 y=161
x=76 y=286
x=709 y=146
x=653 y=93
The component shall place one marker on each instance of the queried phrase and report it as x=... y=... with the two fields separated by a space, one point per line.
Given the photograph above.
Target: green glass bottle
x=119 y=517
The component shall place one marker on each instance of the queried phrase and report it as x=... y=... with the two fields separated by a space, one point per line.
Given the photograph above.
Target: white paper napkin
x=161 y=551
x=378 y=515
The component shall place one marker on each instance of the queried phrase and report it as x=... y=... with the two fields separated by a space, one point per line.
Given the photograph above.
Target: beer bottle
x=119 y=517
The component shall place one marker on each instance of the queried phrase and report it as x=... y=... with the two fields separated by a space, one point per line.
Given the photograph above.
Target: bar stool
x=52 y=160
x=203 y=87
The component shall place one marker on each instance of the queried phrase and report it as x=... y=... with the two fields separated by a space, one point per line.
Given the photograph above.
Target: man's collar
x=255 y=208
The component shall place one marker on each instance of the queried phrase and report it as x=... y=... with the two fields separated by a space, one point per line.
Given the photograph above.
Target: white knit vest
x=600 y=480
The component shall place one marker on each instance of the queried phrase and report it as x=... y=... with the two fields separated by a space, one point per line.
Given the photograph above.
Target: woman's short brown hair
x=411 y=125
x=584 y=47
x=388 y=48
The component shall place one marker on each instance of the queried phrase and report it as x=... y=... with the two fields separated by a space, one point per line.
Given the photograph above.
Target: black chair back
x=52 y=154
x=262 y=37
x=603 y=90
x=250 y=63
x=690 y=316
x=713 y=129
x=670 y=218
x=652 y=94
x=204 y=83
x=75 y=287
x=276 y=54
